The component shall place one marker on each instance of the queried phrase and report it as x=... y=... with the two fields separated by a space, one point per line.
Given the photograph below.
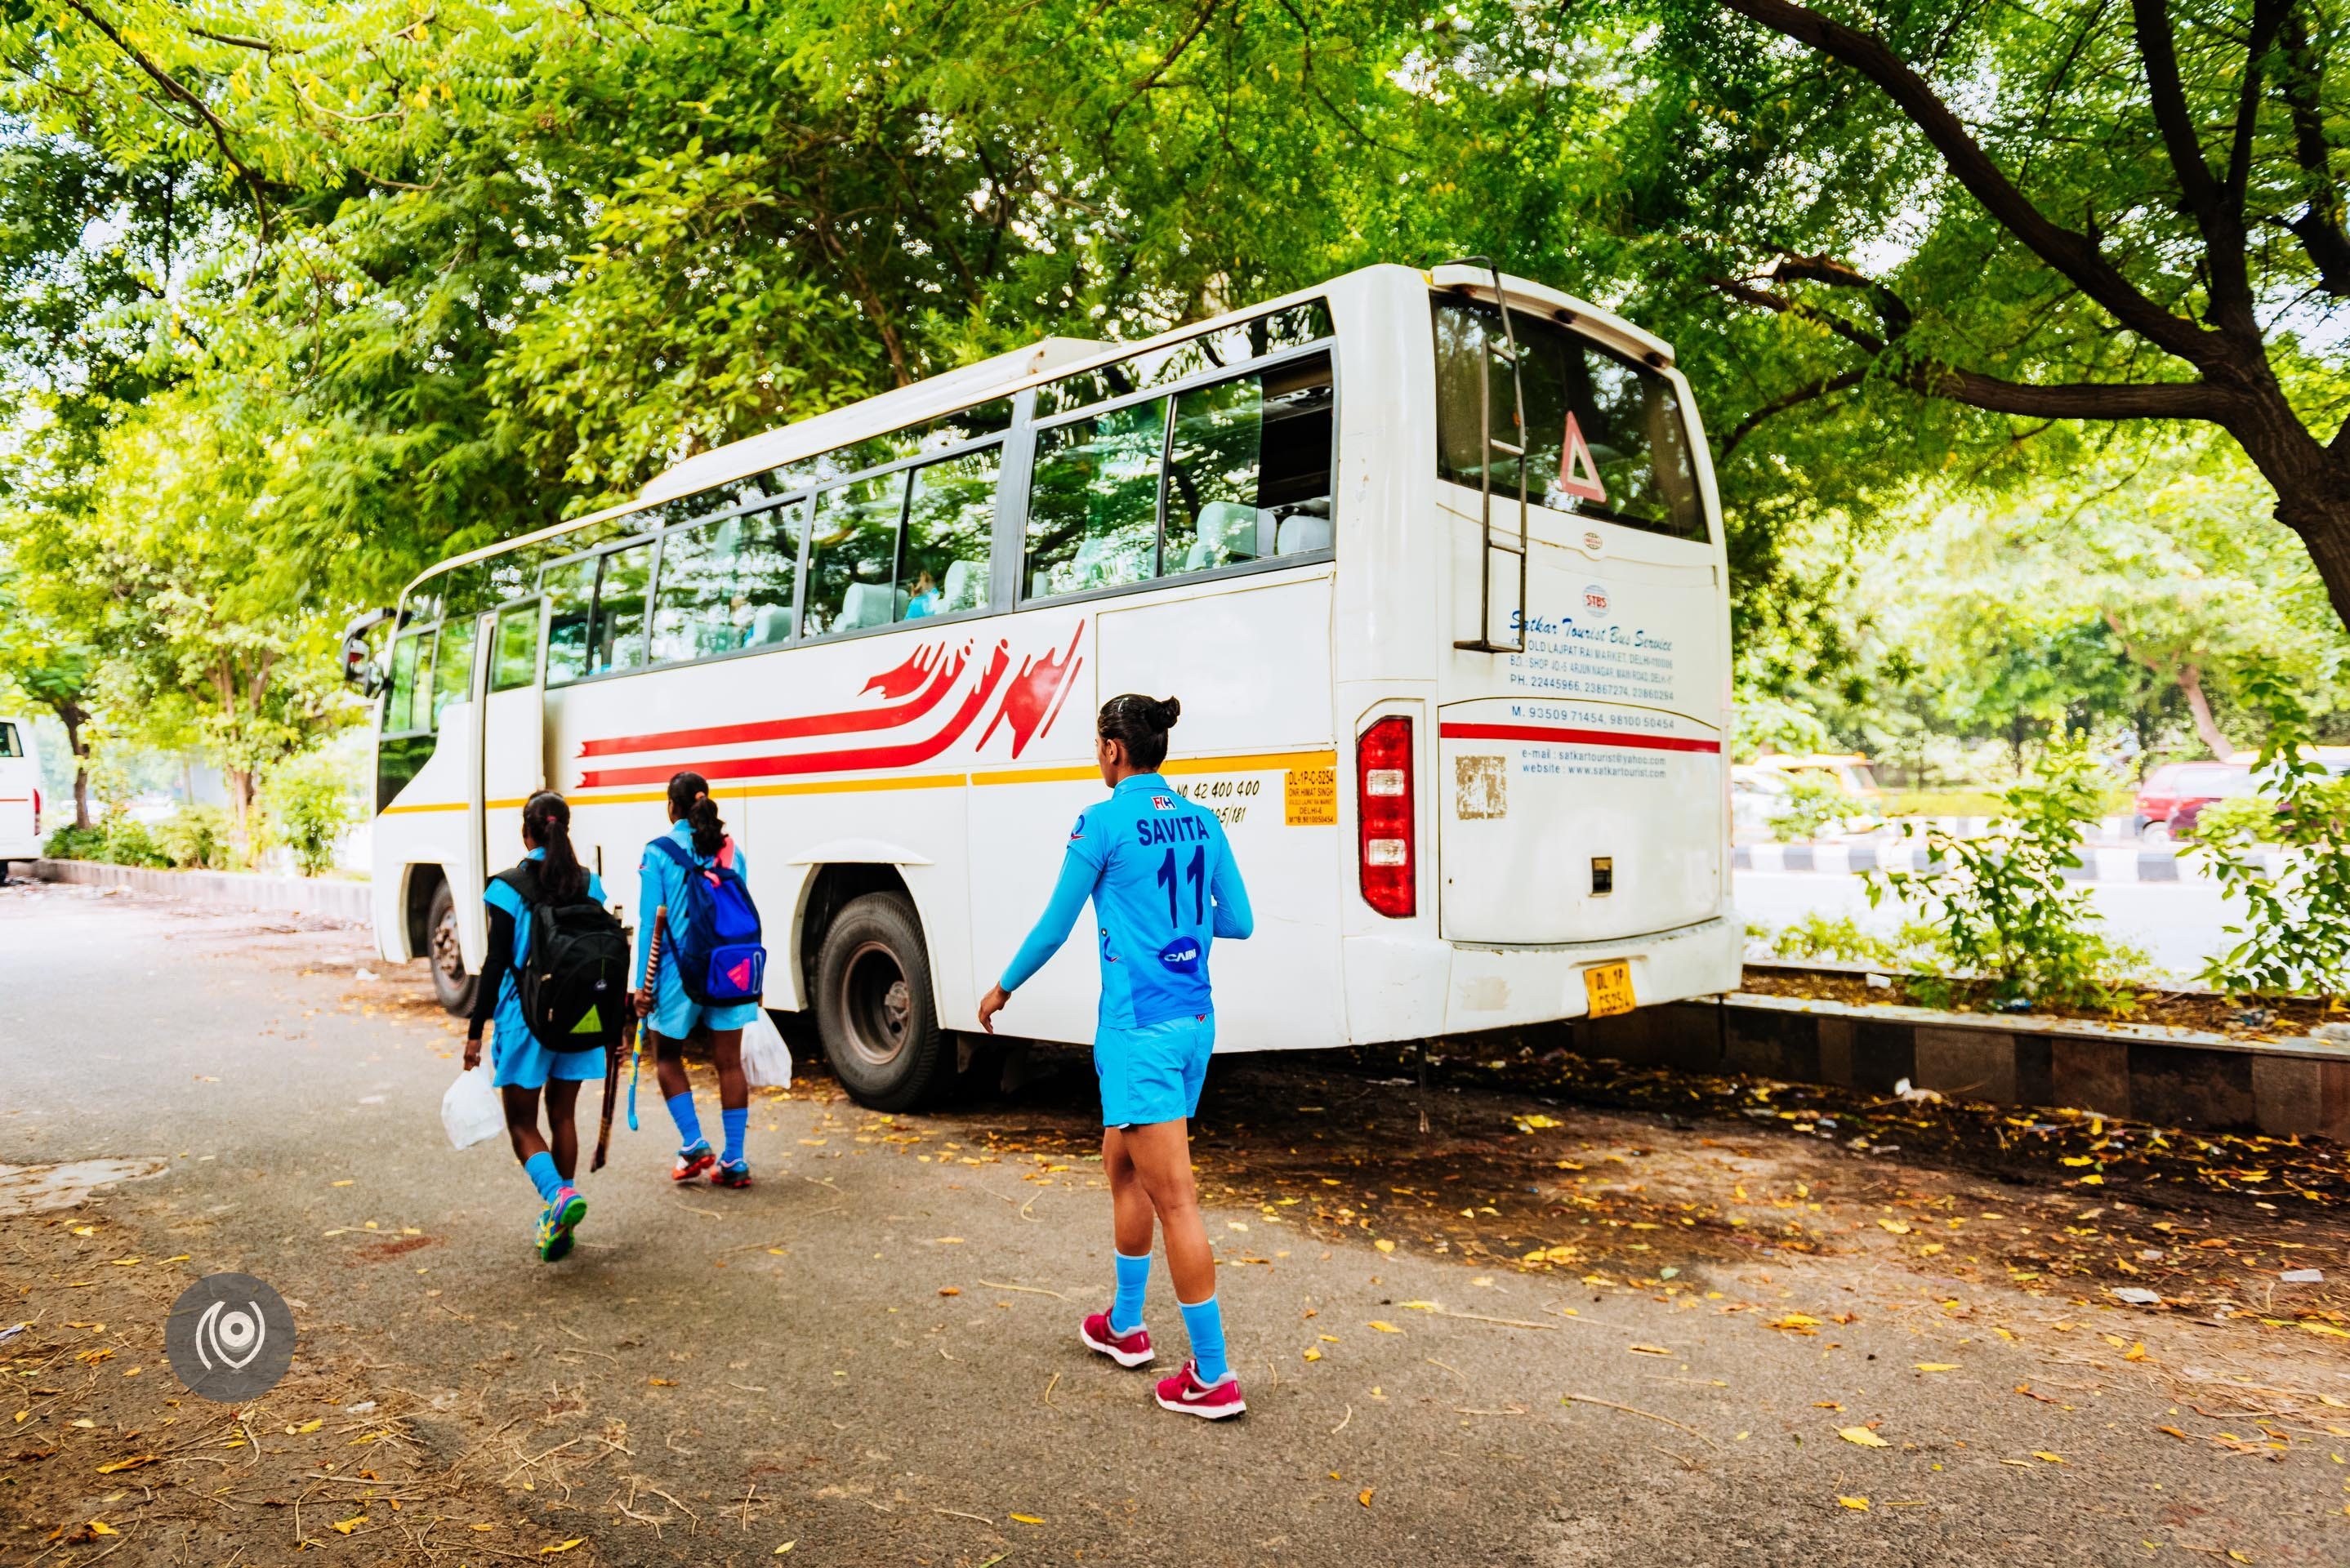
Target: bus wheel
x=873 y=1004
x=451 y=983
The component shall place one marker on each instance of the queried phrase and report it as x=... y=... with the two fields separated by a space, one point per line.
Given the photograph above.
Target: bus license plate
x=1610 y=987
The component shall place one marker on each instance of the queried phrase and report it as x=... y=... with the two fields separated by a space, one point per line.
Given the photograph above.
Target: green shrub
x=2295 y=935
x=1814 y=800
x=195 y=838
x=1998 y=908
x=72 y=842
x=309 y=804
x=2250 y=819
x=129 y=843
x=1840 y=940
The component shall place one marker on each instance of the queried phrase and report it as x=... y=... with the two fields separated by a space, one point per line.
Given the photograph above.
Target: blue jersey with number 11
x=1163 y=886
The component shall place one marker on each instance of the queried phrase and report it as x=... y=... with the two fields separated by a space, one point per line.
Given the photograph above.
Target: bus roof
x=1011 y=372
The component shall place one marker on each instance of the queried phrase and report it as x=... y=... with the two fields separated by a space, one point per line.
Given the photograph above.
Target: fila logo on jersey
x=1182 y=955
x=1175 y=830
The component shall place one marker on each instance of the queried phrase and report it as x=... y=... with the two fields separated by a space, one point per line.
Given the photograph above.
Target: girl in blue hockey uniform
x=670 y=1013
x=520 y=1066
x=1163 y=886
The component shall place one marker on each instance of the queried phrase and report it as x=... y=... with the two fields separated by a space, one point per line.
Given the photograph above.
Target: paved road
x=870 y=1355
x=2179 y=923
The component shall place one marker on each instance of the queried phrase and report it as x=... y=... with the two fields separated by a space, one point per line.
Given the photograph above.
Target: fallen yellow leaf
x=662 y=1382
x=1364 y=1496
x=1026 y=1519
x=1938 y=1366
x=1384 y=1326
x=561 y=1546
x=1863 y=1436
x=1898 y=1227
x=132 y=1463
x=481 y=1527
x=344 y=1182
x=1384 y=1245
x=309 y=1426
x=2135 y=1352
x=786 y=1546
x=1858 y=1503
x=100 y=1527
x=1313 y=1356
x=2044 y=1454
x=345 y=1526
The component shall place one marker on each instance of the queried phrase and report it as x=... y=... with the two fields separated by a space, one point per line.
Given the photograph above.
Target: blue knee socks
x=1133 y=1274
x=1205 y=1324
x=540 y=1169
x=689 y=1126
x=737 y=1120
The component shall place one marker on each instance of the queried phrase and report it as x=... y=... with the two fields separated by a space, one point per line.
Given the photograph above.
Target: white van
x=20 y=793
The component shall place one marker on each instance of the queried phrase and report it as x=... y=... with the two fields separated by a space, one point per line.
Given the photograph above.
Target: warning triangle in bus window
x=1578 y=472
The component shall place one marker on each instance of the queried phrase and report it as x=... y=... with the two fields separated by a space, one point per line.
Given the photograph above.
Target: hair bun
x=1164 y=713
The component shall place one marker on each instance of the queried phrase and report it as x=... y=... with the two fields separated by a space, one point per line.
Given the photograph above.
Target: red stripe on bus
x=845 y=722
x=1575 y=737
x=857 y=760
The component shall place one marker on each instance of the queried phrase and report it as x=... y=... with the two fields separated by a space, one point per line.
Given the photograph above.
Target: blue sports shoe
x=556 y=1225
x=692 y=1162
x=737 y=1174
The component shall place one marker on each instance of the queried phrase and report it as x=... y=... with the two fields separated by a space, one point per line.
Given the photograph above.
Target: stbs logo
x=1161 y=802
x=1593 y=540
x=1595 y=600
x=1182 y=956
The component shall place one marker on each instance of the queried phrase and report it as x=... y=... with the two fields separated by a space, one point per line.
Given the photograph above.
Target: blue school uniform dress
x=517 y=1060
x=662 y=882
x=1164 y=886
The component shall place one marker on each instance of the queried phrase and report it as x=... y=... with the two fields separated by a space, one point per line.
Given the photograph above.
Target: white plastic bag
x=471 y=1110
x=767 y=1060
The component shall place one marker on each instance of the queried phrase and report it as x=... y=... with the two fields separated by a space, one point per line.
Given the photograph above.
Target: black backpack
x=574 y=980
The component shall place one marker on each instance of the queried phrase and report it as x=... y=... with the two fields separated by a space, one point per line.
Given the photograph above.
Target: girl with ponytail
x=521 y=1066
x=670 y=1014
x=1163 y=887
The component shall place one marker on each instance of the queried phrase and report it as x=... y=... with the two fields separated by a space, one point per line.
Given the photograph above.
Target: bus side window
x=853 y=557
x=516 y=663
x=690 y=611
x=1248 y=472
x=571 y=596
x=948 y=525
x=1093 y=506
x=401 y=691
x=452 y=666
x=766 y=572
x=8 y=744
x=618 y=641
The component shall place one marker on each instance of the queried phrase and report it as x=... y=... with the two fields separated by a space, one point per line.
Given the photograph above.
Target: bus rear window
x=1604 y=436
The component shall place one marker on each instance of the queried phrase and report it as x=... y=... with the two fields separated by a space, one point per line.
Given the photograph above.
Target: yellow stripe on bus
x=1254 y=762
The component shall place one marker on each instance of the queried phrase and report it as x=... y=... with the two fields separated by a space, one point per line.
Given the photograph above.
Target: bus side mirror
x=359 y=669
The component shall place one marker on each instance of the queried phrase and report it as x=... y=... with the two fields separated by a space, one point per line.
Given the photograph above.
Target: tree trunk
x=2312 y=480
x=2190 y=681
x=72 y=716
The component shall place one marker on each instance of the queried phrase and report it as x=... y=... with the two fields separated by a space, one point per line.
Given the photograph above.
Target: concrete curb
x=2099 y=863
x=332 y=900
x=2174 y=1077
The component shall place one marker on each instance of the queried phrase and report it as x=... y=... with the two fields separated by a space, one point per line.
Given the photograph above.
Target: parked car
x=20 y=793
x=1852 y=772
x=2173 y=794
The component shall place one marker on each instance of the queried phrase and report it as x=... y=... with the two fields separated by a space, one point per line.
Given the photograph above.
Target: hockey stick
x=612 y=1053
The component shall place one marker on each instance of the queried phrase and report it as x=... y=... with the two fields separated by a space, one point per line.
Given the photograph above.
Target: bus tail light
x=36 y=813
x=1384 y=817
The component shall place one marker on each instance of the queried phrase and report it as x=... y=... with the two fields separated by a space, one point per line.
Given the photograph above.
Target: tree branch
x=2151 y=20
x=1808 y=392
x=1163 y=66
x=2072 y=254
x=263 y=45
x=2302 y=84
x=172 y=88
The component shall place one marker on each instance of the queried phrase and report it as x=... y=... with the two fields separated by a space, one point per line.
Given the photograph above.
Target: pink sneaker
x=1184 y=1392
x=1126 y=1349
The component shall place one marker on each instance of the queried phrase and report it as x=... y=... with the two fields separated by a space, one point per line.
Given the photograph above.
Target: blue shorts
x=1153 y=1072
x=517 y=1060
x=675 y=1017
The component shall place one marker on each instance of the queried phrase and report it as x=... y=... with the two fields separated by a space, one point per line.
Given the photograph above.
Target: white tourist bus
x=1462 y=707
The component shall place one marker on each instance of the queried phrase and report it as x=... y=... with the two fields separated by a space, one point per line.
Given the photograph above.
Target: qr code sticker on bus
x=1480 y=787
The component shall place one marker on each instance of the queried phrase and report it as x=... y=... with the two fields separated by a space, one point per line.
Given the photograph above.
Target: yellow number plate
x=1610 y=987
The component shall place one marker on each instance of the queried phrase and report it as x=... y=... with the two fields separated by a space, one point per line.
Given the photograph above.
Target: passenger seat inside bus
x=1229 y=532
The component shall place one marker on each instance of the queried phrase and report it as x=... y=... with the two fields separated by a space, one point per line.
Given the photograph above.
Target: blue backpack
x=720 y=961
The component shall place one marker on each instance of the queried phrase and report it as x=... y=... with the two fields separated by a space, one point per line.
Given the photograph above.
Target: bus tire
x=873 y=1006
x=450 y=982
